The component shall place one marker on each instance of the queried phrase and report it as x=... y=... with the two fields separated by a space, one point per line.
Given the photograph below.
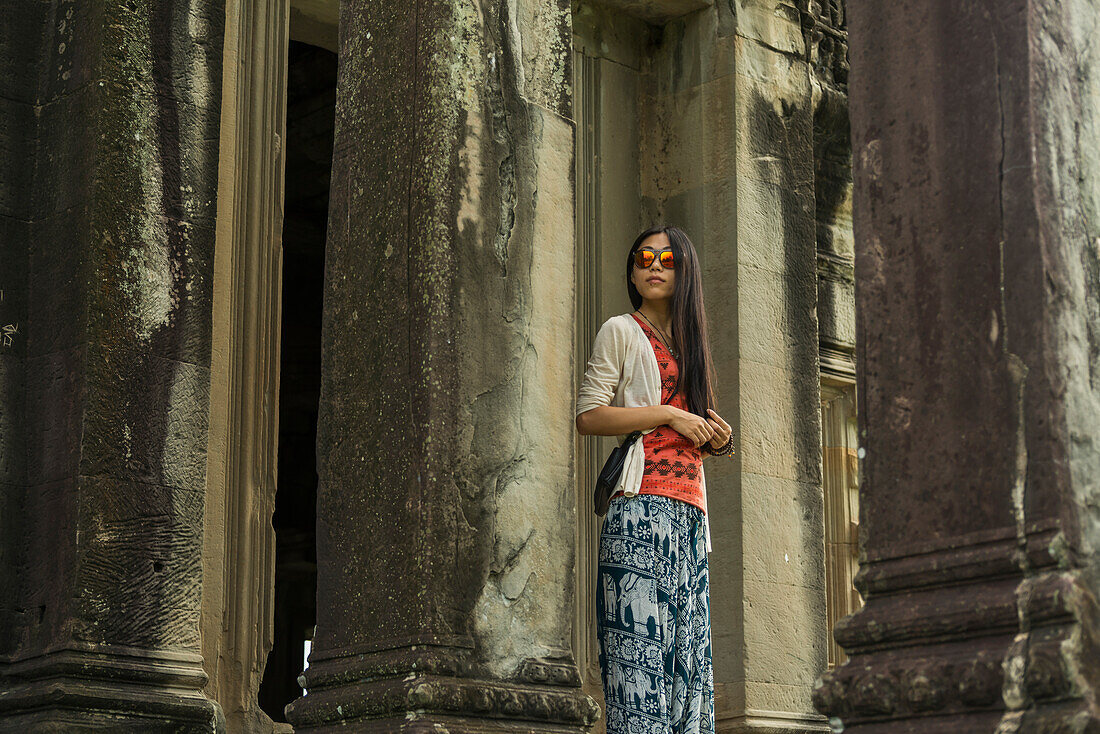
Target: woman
x=651 y=371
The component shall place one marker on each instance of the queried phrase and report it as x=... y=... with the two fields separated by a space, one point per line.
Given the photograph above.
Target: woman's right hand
x=693 y=427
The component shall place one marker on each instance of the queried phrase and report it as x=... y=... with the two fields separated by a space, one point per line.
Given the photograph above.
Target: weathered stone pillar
x=977 y=212
x=112 y=111
x=445 y=439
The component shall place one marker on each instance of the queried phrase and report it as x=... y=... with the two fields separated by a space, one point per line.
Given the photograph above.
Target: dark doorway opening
x=311 y=110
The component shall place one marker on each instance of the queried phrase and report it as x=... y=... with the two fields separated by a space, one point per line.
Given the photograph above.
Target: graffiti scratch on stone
x=8 y=331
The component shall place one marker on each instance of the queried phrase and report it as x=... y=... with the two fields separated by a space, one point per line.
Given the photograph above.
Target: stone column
x=977 y=211
x=114 y=109
x=445 y=439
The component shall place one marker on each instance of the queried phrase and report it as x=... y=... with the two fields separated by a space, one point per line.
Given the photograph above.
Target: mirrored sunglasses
x=644 y=258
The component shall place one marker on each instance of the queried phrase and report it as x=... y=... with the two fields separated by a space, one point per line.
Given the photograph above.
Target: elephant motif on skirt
x=638 y=595
x=637 y=686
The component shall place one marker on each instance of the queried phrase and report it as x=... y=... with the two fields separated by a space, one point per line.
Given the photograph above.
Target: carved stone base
x=99 y=688
x=1008 y=647
x=414 y=722
x=414 y=690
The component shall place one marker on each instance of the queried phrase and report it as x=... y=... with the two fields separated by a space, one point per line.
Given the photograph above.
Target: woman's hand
x=722 y=430
x=694 y=428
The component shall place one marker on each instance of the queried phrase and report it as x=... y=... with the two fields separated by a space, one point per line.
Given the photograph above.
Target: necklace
x=661 y=335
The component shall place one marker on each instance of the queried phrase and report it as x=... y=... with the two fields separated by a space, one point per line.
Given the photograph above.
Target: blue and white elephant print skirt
x=653 y=618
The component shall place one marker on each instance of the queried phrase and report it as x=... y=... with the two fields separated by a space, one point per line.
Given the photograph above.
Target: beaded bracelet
x=724 y=450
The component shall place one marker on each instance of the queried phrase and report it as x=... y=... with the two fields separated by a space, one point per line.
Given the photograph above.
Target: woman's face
x=655 y=282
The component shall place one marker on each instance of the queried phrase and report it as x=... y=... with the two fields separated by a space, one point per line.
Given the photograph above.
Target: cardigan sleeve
x=604 y=370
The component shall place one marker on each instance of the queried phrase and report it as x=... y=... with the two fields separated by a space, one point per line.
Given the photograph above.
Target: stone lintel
x=657 y=12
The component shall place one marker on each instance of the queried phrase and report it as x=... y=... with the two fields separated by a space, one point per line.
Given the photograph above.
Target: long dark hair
x=689 y=319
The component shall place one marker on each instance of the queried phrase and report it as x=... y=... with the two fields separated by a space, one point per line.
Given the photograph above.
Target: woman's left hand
x=721 y=428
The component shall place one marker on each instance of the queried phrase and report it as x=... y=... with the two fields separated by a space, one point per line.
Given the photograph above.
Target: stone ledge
x=773 y=722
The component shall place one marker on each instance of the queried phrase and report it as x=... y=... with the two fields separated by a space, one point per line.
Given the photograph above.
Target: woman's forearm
x=611 y=421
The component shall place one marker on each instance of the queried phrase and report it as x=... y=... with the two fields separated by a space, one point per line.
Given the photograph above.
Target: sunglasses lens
x=643 y=258
x=667 y=259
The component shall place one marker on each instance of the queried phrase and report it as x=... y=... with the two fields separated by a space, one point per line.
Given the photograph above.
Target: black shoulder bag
x=609 y=475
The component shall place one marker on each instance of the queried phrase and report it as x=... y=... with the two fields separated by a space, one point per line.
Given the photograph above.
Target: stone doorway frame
x=586 y=221
x=840 y=478
x=239 y=541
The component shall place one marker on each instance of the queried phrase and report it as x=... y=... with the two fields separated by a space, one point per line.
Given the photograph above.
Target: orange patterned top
x=673 y=466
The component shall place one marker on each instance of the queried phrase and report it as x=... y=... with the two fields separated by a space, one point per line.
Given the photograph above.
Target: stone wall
x=778 y=583
x=735 y=144
x=730 y=153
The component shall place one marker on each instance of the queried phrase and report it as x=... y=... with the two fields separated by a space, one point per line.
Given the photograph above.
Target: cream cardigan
x=623 y=372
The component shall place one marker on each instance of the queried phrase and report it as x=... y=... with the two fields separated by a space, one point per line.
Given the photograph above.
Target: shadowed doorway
x=311 y=106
